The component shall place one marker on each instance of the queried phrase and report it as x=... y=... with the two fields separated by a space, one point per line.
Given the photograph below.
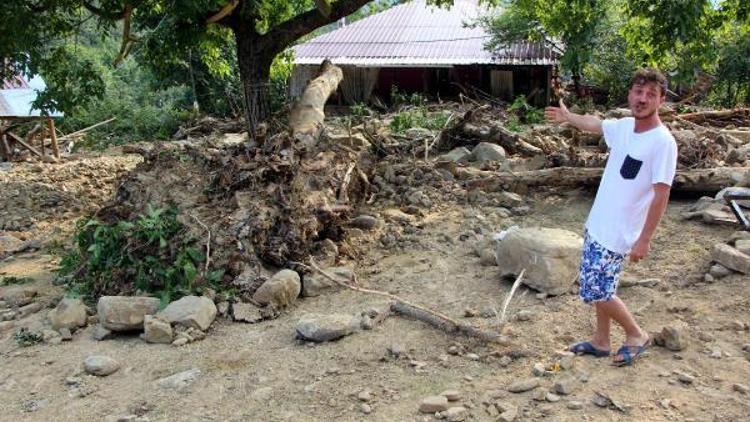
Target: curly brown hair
x=650 y=75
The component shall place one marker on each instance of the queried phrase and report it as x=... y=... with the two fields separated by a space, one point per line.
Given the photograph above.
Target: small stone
x=574 y=405
x=685 y=378
x=552 y=398
x=524 y=315
x=180 y=380
x=366 y=222
x=539 y=370
x=492 y=411
x=321 y=328
x=433 y=404
x=364 y=396
x=671 y=337
x=741 y=388
x=100 y=333
x=246 y=312
x=100 y=366
x=451 y=395
x=505 y=361
x=488 y=312
x=65 y=334
x=704 y=336
x=471 y=313
x=365 y=408
x=567 y=362
x=524 y=385
x=509 y=415
x=708 y=278
x=719 y=271
x=736 y=326
x=472 y=356
x=157 y=330
x=394 y=350
x=454 y=350
x=565 y=386
x=716 y=353
x=19 y=296
x=29 y=309
x=222 y=308
x=180 y=341
x=455 y=414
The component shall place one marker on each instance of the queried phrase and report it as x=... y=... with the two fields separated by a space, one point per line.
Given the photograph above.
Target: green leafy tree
x=162 y=33
x=571 y=23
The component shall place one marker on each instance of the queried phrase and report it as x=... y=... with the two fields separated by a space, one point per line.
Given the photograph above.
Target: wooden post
x=4 y=148
x=53 y=137
x=41 y=137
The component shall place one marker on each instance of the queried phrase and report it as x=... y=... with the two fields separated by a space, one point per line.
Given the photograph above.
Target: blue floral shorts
x=599 y=272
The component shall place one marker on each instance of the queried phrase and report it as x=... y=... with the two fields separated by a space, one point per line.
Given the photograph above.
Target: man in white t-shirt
x=629 y=204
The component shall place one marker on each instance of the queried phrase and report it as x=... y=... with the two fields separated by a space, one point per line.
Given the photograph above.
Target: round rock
x=100 y=366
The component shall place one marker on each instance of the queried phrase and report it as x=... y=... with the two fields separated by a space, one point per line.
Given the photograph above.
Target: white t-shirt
x=636 y=162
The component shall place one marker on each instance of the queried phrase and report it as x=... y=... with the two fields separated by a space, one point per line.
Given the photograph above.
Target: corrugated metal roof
x=416 y=34
x=18 y=94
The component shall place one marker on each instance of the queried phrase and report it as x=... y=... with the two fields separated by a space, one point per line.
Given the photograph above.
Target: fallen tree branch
x=208 y=241
x=429 y=316
x=510 y=294
x=686 y=180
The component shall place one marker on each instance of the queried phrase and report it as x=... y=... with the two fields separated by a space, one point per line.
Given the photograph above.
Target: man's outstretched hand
x=557 y=114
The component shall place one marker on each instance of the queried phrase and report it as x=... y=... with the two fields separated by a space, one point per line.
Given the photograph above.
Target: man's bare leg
x=601 y=331
x=616 y=309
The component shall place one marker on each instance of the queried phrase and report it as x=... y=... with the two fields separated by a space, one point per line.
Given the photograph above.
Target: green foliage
x=573 y=22
x=149 y=254
x=400 y=98
x=525 y=113
x=26 y=338
x=281 y=71
x=732 y=84
x=418 y=117
x=611 y=68
x=12 y=280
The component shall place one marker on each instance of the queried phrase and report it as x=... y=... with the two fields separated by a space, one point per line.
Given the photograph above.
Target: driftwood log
x=306 y=118
x=689 y=180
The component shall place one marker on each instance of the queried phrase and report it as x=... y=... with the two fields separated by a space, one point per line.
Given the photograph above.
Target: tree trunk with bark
x=306 y=118
x=254 y=57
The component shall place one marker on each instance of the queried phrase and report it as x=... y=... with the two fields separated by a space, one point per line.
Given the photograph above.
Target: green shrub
x=418 y=117
x=26 y=338
x=150 y=254
x=524 y=112
x=11 y=280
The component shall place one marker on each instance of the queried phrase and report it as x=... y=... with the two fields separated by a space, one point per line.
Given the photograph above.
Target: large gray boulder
x=190 y=311
x=125 y=313
x=69 y=313
x=280 y=291
x=550 y=256
x=731 y=258
x=485 y=151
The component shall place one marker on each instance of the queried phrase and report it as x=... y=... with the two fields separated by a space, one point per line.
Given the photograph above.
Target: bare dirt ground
x=260 y=372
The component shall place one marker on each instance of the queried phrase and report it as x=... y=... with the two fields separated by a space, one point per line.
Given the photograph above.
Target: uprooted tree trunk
x=689 y=180
x=306 y=118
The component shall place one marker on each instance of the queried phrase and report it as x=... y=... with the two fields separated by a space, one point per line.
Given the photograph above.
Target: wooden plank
x=53 y=136
x=23 y=143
